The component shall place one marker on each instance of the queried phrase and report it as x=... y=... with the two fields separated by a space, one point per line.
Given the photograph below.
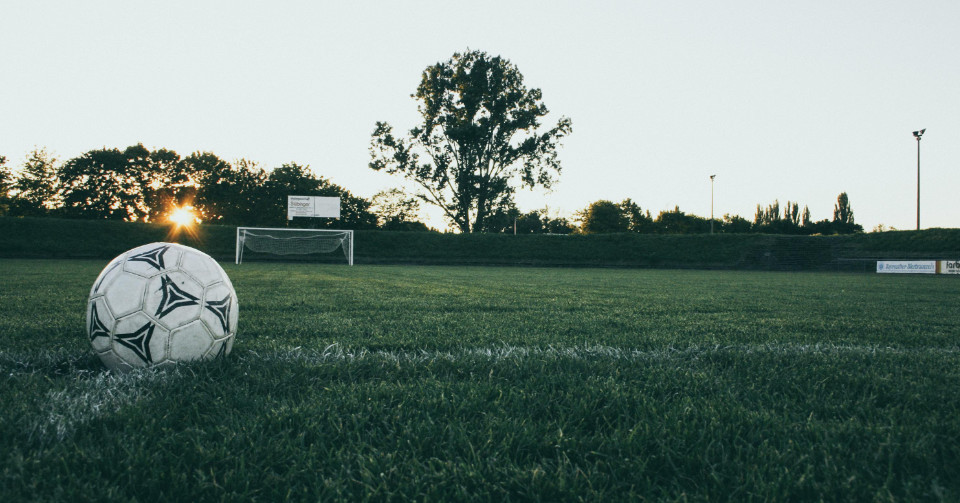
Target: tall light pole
x=917 y=135
x=711 y=202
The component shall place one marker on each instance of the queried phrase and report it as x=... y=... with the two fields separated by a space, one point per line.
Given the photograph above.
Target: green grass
x=453 y=383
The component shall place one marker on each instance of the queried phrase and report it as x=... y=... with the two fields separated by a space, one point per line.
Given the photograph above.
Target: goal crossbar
x=291 y=241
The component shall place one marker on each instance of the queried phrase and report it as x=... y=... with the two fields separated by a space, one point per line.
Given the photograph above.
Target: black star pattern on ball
x=221 y=308
x=97 y=328
x=139 y=341
x=173 y=297
x=153 y=257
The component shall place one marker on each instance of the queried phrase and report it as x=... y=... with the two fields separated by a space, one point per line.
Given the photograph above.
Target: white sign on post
x=313 y=206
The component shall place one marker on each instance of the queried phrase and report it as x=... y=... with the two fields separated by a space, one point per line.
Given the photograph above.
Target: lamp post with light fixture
x=711 y=202
x=917 y=135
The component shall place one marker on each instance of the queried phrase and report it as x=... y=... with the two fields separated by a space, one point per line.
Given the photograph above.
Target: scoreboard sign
x=313 y=206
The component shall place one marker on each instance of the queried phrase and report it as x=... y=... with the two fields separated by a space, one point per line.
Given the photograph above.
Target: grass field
x=452 y=383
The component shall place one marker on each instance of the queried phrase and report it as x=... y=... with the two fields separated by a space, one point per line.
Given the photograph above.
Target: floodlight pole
x=711 y=202
x=917 y=135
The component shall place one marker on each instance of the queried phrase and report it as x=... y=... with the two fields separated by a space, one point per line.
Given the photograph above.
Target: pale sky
x=782 y=100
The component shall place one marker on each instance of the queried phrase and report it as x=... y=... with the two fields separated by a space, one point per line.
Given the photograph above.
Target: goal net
x=284 y=242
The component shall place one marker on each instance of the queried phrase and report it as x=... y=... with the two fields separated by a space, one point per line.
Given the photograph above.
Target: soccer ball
x=159 y=304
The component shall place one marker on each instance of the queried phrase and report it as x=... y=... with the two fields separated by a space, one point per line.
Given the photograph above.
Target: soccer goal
x=284 y=242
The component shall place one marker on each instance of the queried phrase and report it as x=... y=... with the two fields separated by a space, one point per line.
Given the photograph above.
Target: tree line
x=137 y=184
x=627 y=216
x=141 y=185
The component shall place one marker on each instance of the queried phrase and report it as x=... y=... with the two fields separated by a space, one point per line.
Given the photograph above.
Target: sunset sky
x=783 y=101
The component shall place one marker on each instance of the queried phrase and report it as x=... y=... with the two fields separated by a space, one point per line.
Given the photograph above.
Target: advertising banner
x=313 y=206
x=949 y=267
x=907 y=266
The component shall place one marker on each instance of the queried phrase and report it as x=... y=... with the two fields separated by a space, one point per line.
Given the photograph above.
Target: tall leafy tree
x=805 y=219
x=842 y=212
x=767 y=216
x=35 y=187
x=103 y=183
x=167 y=184
x=501 y=219
x=396 y=210
x=603 y=217
x=792 y=213
x=735 y=224
x=479 y=138
x=6 y=183
x=843 y=222
x=147 y=177
x=540 y=222
x=533 y=222
x=678 y=222
x=225 y=193
x=638 y=220
x=133 y=184
x=557 y=225
x=6 y=176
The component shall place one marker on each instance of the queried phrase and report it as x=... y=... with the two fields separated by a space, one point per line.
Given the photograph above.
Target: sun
x=183 y=216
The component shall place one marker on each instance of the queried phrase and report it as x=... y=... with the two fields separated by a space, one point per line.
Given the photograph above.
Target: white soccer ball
x=160 y=304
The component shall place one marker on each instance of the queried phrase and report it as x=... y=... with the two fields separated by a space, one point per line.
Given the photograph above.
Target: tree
x=637 y=220
x=6 y=183
x=532 y=222
x=792 y=213
x=396 y=210
x=135 y=184
x=678 y=222
x=101 y=184
x=294 y=179
x=768 y=220
x=479 y=137
x=35 y=188
x=168 y=185
x=224 y=193
x=603 y=217
x=558 y=225
x=767 y=216
x=735 y=224
x=842 y=213
x=501 y=219
x=843 y=216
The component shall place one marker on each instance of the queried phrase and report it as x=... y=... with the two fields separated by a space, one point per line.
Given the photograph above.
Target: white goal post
x=293 y=241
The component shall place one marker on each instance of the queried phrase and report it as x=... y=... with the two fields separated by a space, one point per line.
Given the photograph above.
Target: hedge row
x=59 y=238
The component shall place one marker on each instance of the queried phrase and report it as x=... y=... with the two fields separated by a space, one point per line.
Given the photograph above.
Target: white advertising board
x=313 y=206
x=907 y=266
x=949 y=267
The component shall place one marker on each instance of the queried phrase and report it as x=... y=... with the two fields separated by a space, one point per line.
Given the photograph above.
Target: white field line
x=62 y=411
x=336 y=353
x=85 y=396
x=15 y=364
